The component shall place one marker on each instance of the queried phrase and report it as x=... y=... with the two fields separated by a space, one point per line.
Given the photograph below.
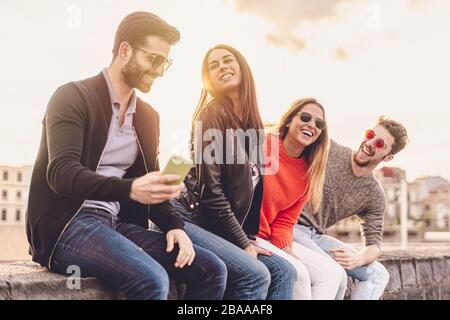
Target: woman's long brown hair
x=251 y=118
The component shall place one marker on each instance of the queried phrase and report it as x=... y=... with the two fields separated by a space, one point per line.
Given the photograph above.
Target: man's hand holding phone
x=154 y=188
x=157 y=187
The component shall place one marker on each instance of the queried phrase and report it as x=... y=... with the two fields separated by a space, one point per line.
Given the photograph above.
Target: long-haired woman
x=227 y=149
x=297 y=151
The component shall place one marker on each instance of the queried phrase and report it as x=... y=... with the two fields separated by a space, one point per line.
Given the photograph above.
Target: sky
x=360 y=59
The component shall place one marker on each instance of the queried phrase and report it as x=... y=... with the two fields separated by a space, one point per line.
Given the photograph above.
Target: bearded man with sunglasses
x=96 y=181
x=351 y=189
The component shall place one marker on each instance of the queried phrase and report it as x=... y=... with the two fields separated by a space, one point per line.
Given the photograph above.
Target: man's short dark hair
x=397 y=130
x=137 y=26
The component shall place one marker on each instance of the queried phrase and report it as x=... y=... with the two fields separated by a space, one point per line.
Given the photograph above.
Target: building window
x=5 y=175
x=18 y=215
x=391 y=194
x=19 y=176
x=4 y=215
x=19 y=195
x=416 y=211
x=4 y=195
x=414 y=196
x=391 y=210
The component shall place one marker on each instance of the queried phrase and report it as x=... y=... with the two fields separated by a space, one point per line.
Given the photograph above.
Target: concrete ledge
x=419 y=274
x=414 y=274
x=27 y=280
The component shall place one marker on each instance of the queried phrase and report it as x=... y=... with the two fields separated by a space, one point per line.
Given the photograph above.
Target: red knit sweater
x=285 y=194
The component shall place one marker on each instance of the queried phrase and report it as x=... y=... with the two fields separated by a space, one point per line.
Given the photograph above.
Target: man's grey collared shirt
x=121 y=149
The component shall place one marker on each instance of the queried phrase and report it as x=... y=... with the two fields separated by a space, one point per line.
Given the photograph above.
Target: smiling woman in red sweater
x=297 y=152
x=285 y=194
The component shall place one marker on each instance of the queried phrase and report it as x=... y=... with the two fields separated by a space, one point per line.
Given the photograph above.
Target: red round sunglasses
x=379 y=143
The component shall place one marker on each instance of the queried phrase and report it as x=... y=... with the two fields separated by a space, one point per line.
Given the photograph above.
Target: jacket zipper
x=78 y=211
x=145 y=164
x=253 y=192
x=250 y=205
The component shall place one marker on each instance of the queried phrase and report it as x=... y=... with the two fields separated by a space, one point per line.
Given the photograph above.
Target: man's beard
x=133 y=76
x=360 y=163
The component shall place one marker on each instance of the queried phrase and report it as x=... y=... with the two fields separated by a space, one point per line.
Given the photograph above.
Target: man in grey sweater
x=351 y=189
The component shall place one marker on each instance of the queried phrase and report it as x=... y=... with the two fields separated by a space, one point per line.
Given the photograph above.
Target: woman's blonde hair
x=316 y=154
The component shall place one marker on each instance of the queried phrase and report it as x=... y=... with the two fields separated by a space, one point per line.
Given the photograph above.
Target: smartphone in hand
x=179 y=166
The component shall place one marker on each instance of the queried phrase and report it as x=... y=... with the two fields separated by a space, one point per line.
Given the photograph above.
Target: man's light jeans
x=372 y=278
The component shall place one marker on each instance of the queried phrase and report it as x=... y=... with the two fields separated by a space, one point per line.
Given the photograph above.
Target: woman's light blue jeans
x=372 y=278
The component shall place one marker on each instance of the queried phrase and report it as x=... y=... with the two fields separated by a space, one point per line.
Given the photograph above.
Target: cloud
x=415 y=2
x=288 y=13
x=341 y=54
x=285 y=15
x=286 y=40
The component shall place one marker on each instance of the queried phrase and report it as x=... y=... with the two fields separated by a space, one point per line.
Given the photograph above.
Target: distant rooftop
x=433 y=181
x=392 y=172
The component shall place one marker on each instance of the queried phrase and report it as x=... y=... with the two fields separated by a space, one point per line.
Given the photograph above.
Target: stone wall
x=414 y=274
x=418 y=275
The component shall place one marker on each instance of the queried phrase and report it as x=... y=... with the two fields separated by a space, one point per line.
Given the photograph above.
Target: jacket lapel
x=104 y=100
x=147 y=134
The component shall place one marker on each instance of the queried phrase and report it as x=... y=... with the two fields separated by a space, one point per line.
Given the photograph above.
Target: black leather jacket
x=229 y=206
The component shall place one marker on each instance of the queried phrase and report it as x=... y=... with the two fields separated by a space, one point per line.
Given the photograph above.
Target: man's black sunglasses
x=156 y=59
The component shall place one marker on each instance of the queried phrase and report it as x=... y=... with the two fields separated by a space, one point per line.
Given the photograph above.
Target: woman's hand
x=254 y=251
x=288 y=250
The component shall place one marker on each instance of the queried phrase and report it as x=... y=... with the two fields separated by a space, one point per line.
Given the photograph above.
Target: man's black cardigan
x=75 y=130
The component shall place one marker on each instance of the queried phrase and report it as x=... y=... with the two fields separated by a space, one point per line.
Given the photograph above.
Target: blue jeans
x=270 y=278
x=132 y=260
x=372 y=278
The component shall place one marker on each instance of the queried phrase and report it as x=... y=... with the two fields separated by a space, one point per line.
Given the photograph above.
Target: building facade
x=429 y=203
x=14 y=187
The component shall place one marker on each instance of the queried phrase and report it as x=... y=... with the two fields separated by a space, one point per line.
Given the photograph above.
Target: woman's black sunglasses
x=306 y=117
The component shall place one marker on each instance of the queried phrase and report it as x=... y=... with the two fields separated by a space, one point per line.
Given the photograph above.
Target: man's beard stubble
x=359 y=163
x=133 y=76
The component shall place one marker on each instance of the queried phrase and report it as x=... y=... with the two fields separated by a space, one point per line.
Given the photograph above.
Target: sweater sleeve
x=372 y=221
x=282 y=227
x=65 y=123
